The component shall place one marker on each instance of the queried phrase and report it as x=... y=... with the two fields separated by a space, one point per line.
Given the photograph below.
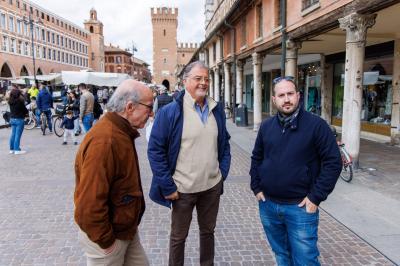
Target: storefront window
x=309 y=82
x=377 y=91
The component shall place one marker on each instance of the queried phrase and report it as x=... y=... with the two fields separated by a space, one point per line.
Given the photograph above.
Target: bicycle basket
x=60 y=109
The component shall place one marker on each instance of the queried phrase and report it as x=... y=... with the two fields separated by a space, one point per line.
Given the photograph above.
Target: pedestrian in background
x=68 y=125
x=294 y=167
x=44 y=103
x=189 y=155
x=18 y=112
x=108 y=198
x=73 y=104
x=86 y=105
x=162 y=99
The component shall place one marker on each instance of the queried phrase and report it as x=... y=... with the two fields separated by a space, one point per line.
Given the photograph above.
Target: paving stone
x=37 y=227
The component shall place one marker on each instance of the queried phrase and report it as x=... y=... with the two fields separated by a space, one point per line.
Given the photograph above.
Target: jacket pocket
x=126 y=210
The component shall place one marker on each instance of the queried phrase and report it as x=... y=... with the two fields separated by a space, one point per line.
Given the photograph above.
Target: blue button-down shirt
x=202 y=112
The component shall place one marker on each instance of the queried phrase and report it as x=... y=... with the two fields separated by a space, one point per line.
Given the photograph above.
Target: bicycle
x=58 y=119
x=347 y=161
x=30 y=120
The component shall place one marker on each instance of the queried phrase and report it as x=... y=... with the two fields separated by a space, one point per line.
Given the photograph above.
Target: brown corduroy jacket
x=108 y=197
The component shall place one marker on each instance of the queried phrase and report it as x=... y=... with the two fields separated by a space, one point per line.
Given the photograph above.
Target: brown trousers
x=207 y=204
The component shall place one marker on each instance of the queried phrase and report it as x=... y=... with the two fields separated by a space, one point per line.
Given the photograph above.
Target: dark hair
x=82 y=85
x=277 y=80
x=15 y=96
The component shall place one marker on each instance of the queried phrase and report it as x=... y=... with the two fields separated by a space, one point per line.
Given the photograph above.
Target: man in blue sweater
x=295 y=165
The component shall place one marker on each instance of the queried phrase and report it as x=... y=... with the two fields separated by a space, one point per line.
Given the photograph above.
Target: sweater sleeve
x=94 y=171
x=82 y=105
x=256 y=160
x=331 y=164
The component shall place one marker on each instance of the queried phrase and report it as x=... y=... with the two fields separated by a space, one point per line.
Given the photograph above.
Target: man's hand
x=173 y=196
x=310 y=207
x=260 y=196
x=110 y=249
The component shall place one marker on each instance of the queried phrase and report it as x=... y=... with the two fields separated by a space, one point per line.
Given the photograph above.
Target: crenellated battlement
x=188 y=45
x=164 y=13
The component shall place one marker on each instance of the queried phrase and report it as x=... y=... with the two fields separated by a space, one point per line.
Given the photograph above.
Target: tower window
x=91 y=29
x=165 y=60
x=165 y=32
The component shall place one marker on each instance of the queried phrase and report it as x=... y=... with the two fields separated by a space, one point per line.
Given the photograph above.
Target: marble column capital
x=239 y=65
x=293 y=45
x=257 y=58
x=356 y=26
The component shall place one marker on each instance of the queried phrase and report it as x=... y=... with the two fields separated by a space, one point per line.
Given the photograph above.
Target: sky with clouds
x=129 y=20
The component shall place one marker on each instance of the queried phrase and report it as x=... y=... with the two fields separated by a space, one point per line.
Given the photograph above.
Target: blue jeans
x=48 y=116
x=87 y=122
x=17 y=127
x=291 y=232
x=37 y=114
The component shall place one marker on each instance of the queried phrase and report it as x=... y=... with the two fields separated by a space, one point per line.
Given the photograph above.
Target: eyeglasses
x=279 y=79
x=199 y=79
x=148 y=106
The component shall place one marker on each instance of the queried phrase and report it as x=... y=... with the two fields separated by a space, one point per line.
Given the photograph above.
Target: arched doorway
x=23 y=72
x=39 y=72
x=166 y=84
x=6 y=71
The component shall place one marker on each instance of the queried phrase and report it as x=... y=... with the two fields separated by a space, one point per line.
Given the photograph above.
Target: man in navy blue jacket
x=189 y=155
x=44 y=103
x=295 y=165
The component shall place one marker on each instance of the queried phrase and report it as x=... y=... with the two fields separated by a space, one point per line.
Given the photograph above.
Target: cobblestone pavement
x=37 y=227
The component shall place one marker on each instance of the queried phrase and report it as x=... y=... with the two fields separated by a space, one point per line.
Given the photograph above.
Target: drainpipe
x=284 y=36
x=233 y=80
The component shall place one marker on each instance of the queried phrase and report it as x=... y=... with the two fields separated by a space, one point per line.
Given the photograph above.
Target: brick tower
x=96 y=47
x=165 y=24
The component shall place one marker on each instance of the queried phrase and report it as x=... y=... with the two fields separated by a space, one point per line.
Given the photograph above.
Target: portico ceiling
x=386 y=28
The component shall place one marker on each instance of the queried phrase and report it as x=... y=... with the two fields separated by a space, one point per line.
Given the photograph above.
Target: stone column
x=395 y=119
x=227 y=79
x=292 y=49
x=257 y=70
x=239 y=82
x=326 y=90
x=211 y=84
x=356 y=26
x=216 y=84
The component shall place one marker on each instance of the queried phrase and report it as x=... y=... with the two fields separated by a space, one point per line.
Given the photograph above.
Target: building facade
x=118 y=60
x=344 y=55
x=168 y=56
x=58 y=43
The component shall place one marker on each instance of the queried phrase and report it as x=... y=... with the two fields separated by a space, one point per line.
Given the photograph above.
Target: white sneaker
x=11 y=152
x=19 y=152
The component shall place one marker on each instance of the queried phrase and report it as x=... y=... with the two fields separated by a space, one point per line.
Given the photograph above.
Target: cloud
x=127 y=21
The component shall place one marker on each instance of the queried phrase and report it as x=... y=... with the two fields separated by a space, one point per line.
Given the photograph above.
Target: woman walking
x=18 y=112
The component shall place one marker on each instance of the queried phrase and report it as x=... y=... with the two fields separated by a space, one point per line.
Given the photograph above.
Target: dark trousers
x=207 y=204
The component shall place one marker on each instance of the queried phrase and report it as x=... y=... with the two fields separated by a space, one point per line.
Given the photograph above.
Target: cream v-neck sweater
x=197 y=167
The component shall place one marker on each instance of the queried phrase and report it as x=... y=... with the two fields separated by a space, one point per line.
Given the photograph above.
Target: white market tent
x=76 y=77
x=93 y=78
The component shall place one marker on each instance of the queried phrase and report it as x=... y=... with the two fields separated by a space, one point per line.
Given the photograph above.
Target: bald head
x=128 y=91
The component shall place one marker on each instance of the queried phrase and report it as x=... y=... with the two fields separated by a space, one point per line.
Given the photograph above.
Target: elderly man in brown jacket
x=109 y=201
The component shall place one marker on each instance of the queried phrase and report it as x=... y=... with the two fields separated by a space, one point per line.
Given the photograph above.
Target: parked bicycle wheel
x=347 y=169
x=58 y=130
x=43 y=123
x=29 y=122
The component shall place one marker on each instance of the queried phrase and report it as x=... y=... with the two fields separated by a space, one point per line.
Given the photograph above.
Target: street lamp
x=30 y=21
